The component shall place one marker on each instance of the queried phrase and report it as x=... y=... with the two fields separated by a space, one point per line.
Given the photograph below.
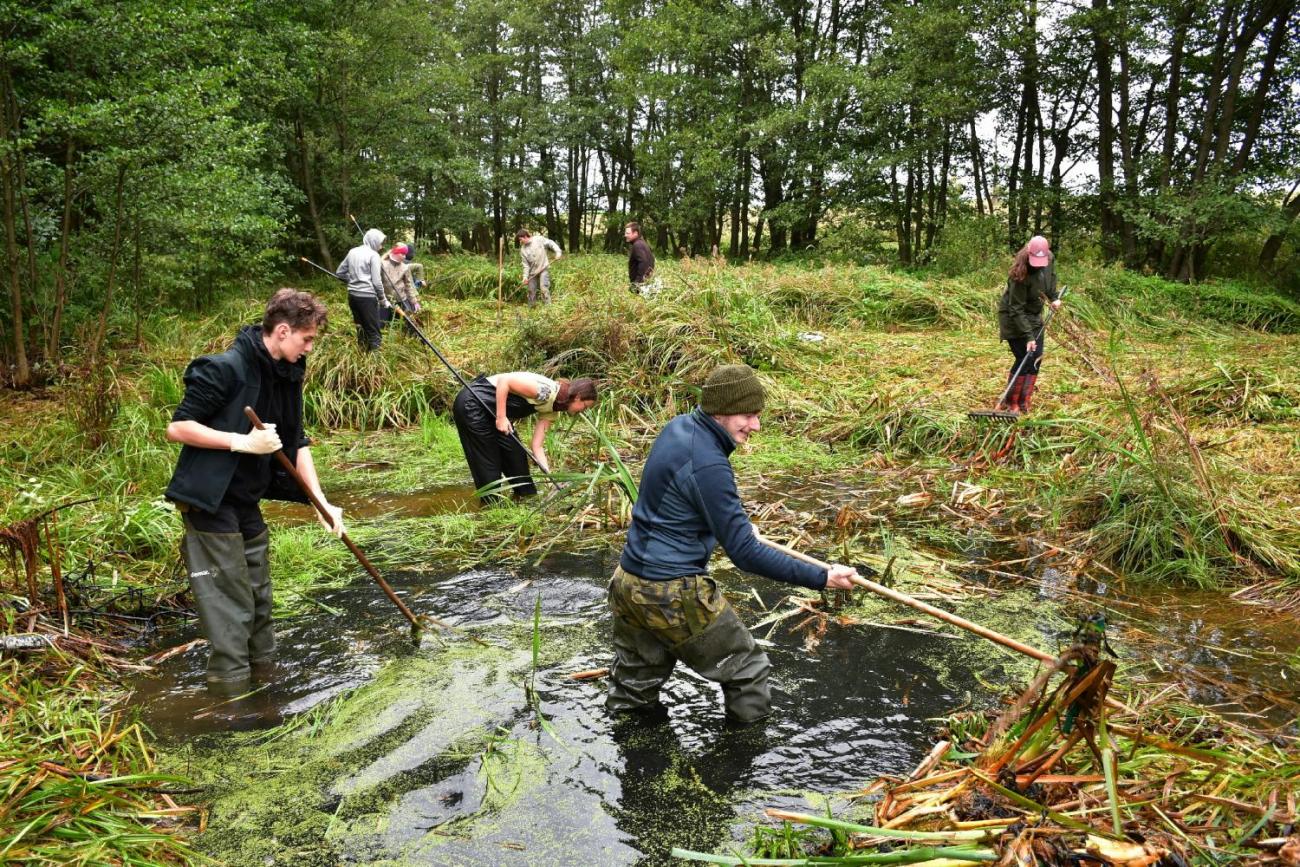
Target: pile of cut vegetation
x=79 y=780
x=1066 y=775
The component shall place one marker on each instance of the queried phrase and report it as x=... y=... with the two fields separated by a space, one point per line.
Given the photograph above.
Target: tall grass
x=348 y=388
x=78 y=778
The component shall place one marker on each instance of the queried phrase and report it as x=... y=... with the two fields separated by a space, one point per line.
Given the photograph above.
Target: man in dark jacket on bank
x=640 y=258
x=666 y=608
x=225 y=470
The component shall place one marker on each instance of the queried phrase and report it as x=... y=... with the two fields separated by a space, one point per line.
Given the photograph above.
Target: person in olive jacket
x=1020 y=320
x=226 y=469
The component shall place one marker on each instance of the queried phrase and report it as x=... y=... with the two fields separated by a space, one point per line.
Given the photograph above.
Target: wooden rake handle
x=947 y=617
x=320 y=507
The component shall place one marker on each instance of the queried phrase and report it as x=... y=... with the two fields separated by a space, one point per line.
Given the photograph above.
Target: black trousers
x=490 y=453
x=1020 y=348
x=365 y=313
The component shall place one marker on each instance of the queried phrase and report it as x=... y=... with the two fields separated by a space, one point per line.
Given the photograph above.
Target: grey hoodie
x=363 y=270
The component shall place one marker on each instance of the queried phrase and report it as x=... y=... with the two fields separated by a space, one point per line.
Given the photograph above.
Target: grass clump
x=348 y=388
x=80 y=782
x=1239 y=392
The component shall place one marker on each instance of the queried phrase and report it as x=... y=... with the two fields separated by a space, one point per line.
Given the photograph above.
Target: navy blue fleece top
x=688 y=503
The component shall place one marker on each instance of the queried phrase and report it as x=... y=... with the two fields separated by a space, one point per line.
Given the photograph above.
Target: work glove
x=336 y=514
x=259 y=441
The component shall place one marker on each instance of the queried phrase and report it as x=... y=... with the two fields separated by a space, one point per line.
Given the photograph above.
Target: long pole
x=501 y=274
x=945 y=616
x=352 y=546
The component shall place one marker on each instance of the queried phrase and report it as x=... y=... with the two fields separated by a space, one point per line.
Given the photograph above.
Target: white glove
x=336 y=514
x=261 y=441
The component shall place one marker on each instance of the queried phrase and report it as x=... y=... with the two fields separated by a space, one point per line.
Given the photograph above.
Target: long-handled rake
x=998 y=412
x=938 y=613
x=418 y=621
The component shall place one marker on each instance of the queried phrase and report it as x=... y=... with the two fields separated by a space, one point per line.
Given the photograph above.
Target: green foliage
x=79 y=778
x=347 y=387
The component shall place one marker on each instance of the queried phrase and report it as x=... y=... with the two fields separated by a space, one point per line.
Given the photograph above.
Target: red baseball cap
x=1040 y=252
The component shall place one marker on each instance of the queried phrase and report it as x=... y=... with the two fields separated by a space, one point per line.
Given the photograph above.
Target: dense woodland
x=155 y=153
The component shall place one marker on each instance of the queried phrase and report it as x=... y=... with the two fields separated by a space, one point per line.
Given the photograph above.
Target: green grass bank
x=1163 y=447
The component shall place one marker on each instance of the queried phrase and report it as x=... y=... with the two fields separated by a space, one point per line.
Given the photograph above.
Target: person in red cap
x=1020 y=319
x=397 y=280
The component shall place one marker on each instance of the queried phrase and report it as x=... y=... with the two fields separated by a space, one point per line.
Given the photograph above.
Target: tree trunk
x=136 y=289
x=1014 y=239
x=1260 y=97
x=573 y=217
x=945 y=166
x=101 y=329
x=309 y=188
x=1128 y=160
x=1290 y=210
x=1102 y=60
x=54 y=339
x=773 y=197
x=8 y=134
x=903 y=215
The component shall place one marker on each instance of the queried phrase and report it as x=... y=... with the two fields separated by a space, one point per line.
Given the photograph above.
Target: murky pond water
x=437 y=756
x=856 y=705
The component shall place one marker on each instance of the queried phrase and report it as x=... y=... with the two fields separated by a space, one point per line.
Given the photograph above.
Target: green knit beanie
x=732 y=389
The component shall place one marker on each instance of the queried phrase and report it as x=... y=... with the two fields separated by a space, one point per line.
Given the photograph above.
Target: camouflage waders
x=658 y=623
x=231 y=581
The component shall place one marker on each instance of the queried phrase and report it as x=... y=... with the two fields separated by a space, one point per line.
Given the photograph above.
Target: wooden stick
x=352 y=546
x=501 y=273
x=947 y=617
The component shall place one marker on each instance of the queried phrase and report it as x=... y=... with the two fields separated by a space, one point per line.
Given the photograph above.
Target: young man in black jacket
x=666 y=607
x=640 y=258
x=226 y=469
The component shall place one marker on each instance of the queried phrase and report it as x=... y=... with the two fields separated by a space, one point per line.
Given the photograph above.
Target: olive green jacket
x=1020 y=311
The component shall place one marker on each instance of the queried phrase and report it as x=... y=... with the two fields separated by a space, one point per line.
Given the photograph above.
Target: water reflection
x=404 y=786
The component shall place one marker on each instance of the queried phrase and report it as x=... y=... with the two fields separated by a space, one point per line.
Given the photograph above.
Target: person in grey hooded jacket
x=363 y=271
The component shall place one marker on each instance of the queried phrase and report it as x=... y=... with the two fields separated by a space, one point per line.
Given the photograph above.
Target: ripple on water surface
x=438 y=758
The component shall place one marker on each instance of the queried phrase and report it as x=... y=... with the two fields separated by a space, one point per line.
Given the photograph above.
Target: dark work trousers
x=490 y=453
x=1019 y=349
x=365 y=313
x=226 y=555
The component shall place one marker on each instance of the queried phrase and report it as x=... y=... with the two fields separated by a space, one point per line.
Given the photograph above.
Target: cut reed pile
x=78 y=777
x=1066 y=775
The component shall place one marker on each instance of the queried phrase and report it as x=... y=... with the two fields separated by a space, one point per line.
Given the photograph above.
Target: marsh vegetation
x=1160 y=459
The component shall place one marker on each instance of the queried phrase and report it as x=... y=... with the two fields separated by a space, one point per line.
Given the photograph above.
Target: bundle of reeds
x=1066 y=775
x=78 y=777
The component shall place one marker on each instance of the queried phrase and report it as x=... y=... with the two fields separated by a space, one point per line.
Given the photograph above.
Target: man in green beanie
x=666 y=608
